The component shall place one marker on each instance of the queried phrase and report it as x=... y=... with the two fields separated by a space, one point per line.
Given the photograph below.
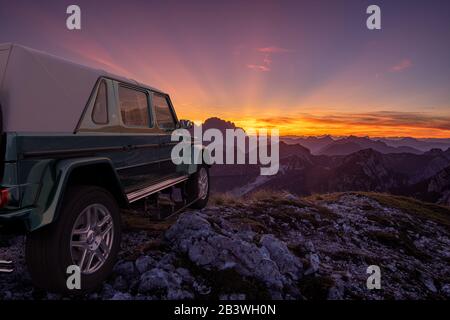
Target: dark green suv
x=78 y=144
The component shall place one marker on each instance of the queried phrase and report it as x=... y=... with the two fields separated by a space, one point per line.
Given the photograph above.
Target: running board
x=142 y=193
x=6 y=266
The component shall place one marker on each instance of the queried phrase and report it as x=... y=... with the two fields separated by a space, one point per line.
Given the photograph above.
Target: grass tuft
x=437 y=213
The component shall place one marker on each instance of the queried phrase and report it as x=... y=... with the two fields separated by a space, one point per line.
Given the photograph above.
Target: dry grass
x=143 y=248
x=267 y=194
x=256 y=226
x=437 y=213
x=262 y=199
x=424 y=210
x=139 y=221
x=324 y=197
x=228 y=199
x=400 y=241
x=281 y=198
x=221 y=199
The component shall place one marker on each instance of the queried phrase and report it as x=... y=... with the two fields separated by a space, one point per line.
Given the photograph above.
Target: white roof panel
x=41 y=92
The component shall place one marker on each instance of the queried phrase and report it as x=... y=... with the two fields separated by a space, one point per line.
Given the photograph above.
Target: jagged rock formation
x=440 y=185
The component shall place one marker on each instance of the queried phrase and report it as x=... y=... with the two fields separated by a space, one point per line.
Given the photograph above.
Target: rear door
x=141 y=159
x=166 y=121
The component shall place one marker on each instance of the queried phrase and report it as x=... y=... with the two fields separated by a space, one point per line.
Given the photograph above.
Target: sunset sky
x=305 y=67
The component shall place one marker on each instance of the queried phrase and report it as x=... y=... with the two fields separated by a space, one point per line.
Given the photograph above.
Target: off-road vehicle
x=77 y=145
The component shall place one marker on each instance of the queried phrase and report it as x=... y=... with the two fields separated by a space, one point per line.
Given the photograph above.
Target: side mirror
x=186 y=124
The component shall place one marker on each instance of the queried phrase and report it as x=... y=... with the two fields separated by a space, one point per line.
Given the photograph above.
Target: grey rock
x=144 y=263
x=107 y=291
x=272 y=263
x=185 y=275
x=217 y=241
x=124 y=268
x=232 y=296
x=120 y=283
x=314 y=262
x=287 y=263
x=153 y=279
x=121 y=296
x=429 y=284
x=177 y=294
x=167 y=262
x=201 y=287
x=446 y=290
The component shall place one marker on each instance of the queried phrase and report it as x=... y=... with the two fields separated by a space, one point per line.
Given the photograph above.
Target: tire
x=50 y=250
x=194 y=189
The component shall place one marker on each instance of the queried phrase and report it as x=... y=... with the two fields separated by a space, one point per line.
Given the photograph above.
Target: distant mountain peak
x=217 y=123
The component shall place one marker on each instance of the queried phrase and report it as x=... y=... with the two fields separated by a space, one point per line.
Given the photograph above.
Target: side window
x=100 y=111
x=163 y=112
x=134 y=107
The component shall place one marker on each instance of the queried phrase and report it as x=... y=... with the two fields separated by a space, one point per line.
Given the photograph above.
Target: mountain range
x=328 y=145
x=345 y=164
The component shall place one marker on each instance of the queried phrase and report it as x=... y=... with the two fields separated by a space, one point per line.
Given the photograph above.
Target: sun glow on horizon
x=269 y=71
x=326 y=124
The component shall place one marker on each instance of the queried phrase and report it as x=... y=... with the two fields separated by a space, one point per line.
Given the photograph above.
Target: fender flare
x=63 y=170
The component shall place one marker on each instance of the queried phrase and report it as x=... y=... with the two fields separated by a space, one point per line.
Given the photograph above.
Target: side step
x=6 y=266
x=139 y=194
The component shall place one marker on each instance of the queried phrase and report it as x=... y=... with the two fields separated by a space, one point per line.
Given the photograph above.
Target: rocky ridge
x=274 y=246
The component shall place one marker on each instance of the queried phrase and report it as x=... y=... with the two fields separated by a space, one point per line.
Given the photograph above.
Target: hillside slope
x=302 y=173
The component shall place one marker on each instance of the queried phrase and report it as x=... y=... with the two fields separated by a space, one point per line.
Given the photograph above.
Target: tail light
x=4 y=197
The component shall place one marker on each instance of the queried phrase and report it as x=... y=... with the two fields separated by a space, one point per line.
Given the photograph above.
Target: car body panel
x=38 y=159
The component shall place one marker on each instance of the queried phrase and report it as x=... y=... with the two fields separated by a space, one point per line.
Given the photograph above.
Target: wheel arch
x=101 y=174
x=84 y=171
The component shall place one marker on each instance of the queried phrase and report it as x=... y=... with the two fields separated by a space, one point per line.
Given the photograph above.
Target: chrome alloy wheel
x=92 y=238
x=202 y=183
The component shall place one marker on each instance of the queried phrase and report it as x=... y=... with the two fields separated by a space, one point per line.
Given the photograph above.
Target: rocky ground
x=273 y=246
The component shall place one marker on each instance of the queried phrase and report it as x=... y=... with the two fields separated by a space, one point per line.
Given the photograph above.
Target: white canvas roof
x=43 y=93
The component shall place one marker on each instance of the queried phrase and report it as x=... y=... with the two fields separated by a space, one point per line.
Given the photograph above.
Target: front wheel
x=86 y=234
x=198 y=188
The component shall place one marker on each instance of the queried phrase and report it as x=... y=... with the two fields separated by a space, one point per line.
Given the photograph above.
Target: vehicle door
x=141 y=165
x=166 y=121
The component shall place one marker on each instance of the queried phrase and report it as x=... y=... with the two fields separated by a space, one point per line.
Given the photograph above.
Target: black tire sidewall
x=193 y=189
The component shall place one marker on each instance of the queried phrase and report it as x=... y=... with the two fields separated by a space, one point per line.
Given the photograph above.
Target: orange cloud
x=402 y=65
x=384 y=123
